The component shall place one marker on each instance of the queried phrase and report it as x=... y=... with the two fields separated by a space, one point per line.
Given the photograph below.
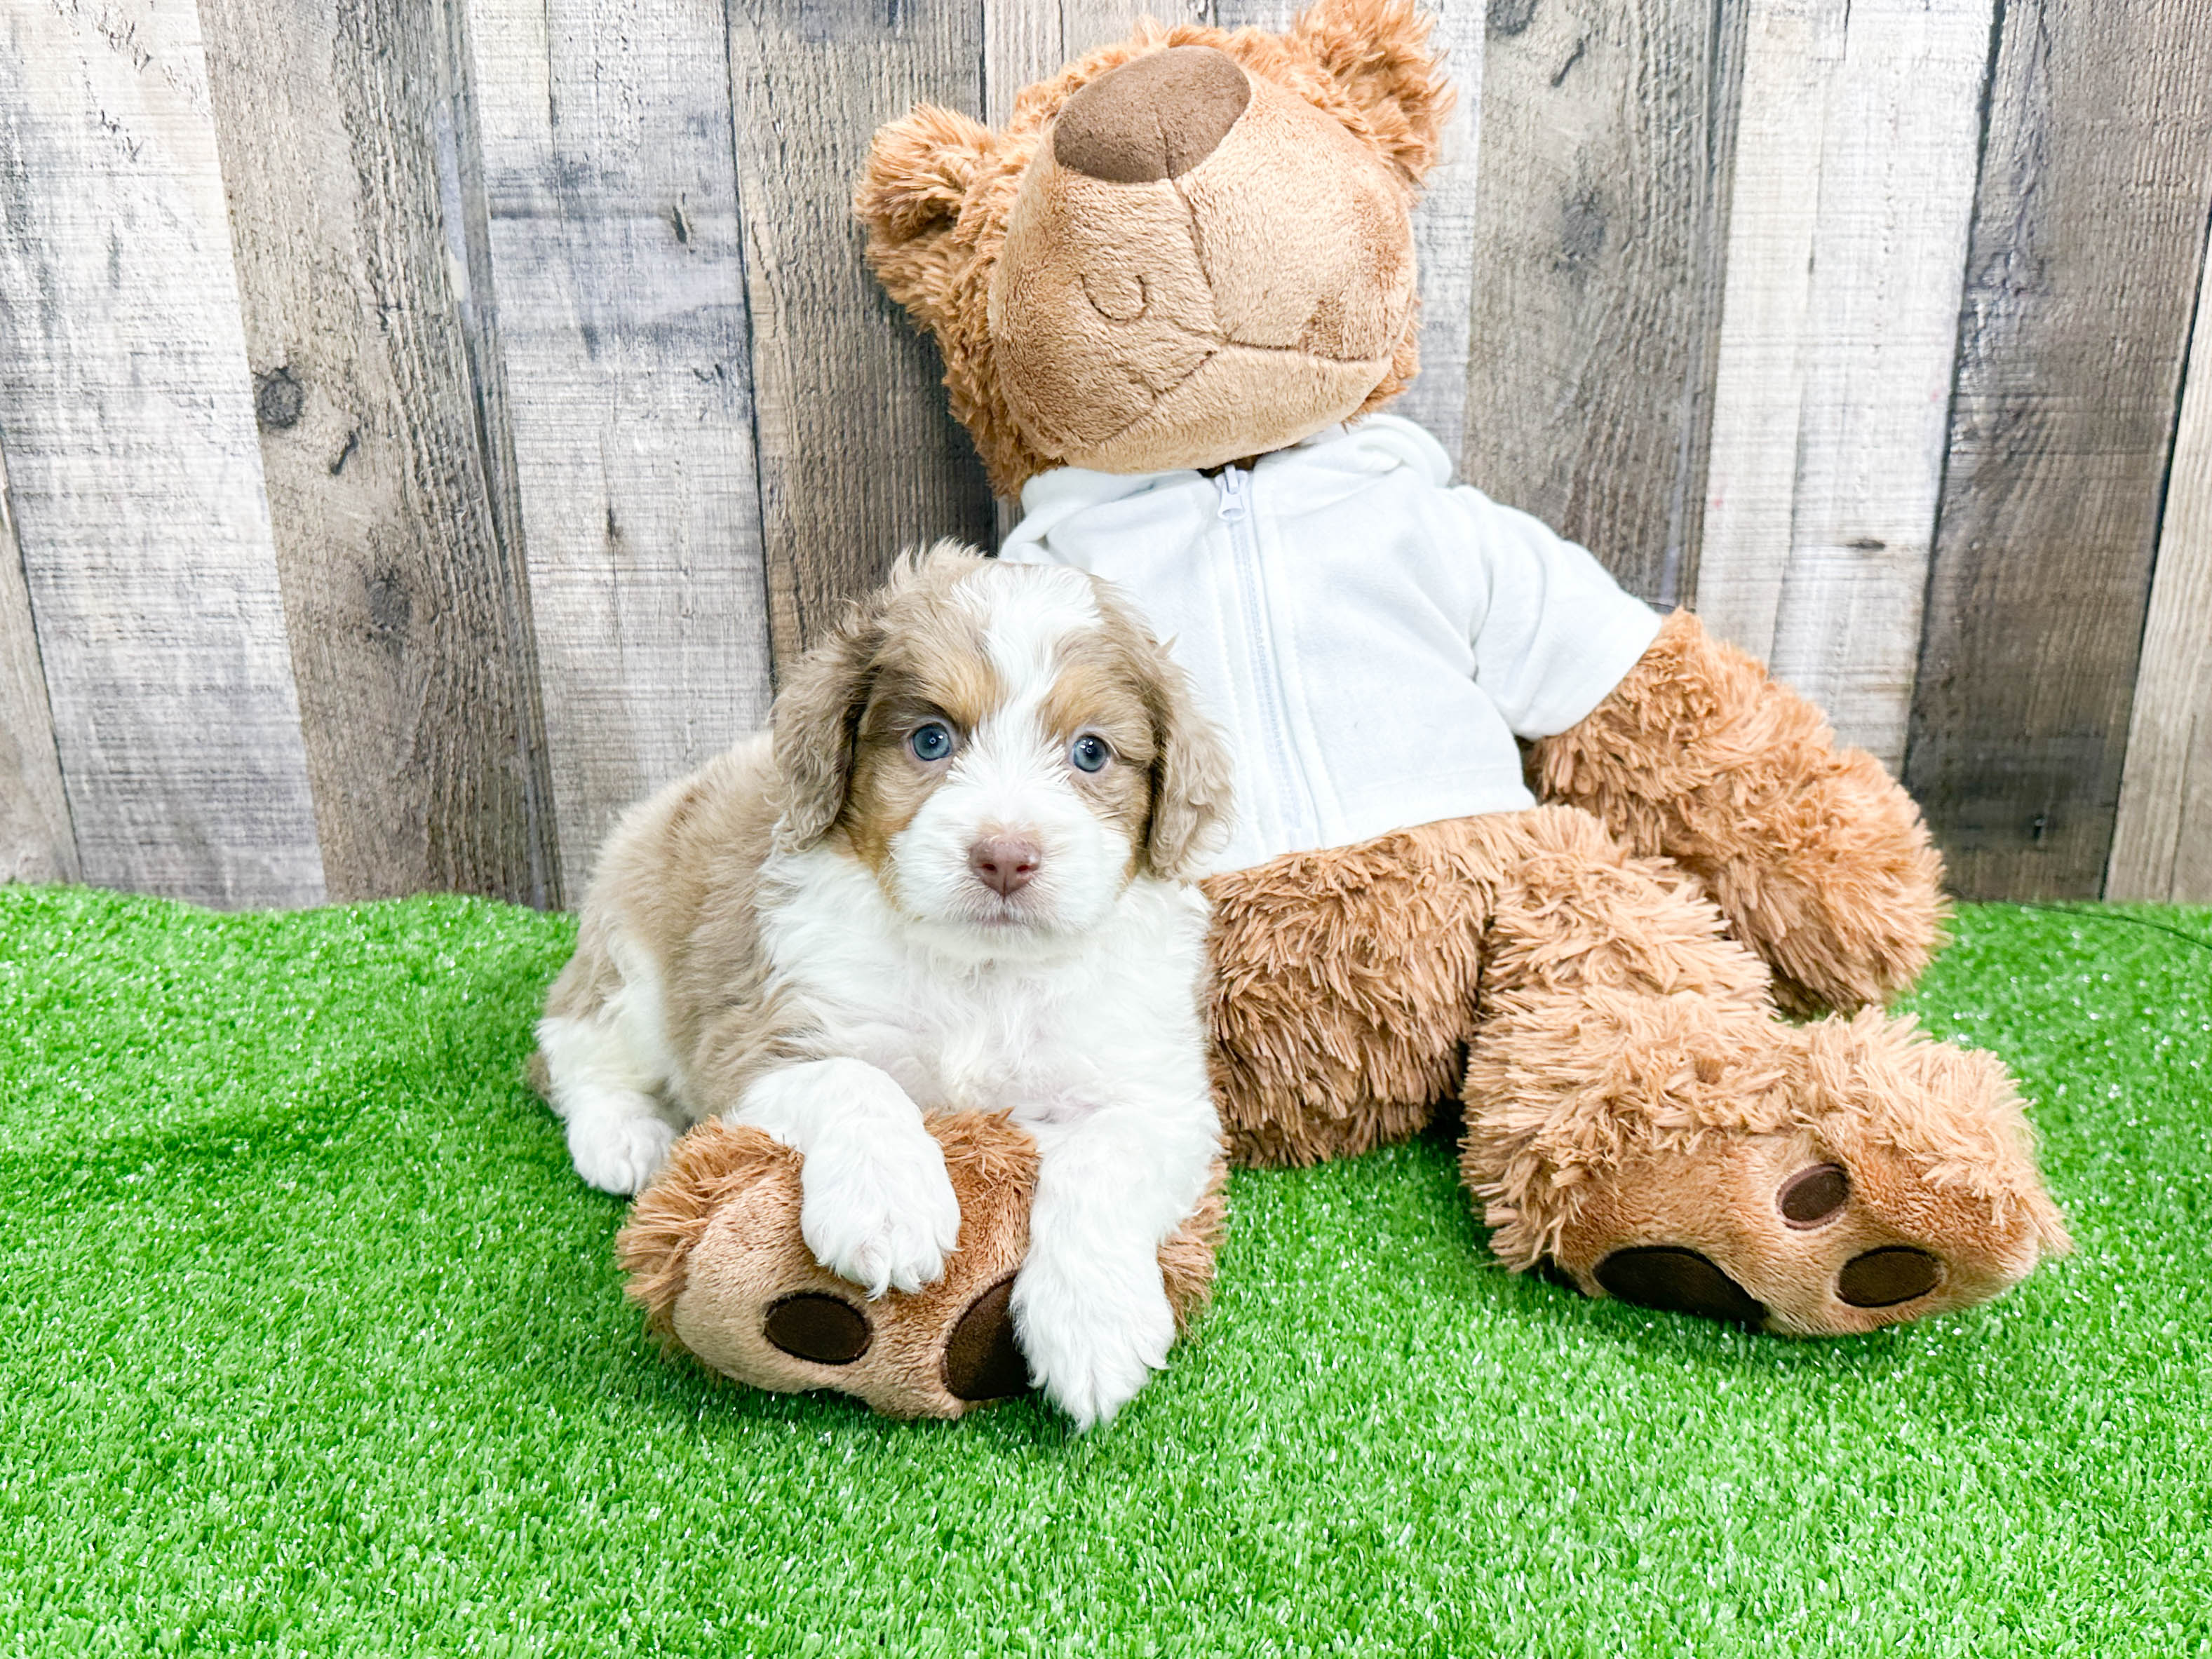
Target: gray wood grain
x=343 y=142
x=859 y=455
x=1599 y=226
x=1026 y=40
x=2088 y=229
x=2162 y=841
x=134 y=475
x=617 y=262
x=1847 y=233
x=37 y=842
x=1793 y=54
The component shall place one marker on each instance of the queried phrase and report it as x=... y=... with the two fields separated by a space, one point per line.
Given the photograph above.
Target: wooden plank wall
x=2088 y=239
x=1848 y=240
x=2162 y=842
x=410 y=642
x=127 y=416
x=37 y=842
x=429 y=424
x=1606 y=136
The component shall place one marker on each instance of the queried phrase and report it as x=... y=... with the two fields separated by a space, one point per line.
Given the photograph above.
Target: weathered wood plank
x=343 y=140
x=1792 y=51
x=1026 y=40
x=1444 y=222
x=859 y=455
x=1598 y=229
x=620 y=280
x=2162 y=842
x=2088 y=233
x=136 y=480
x=1854 y=190
x=36 y=840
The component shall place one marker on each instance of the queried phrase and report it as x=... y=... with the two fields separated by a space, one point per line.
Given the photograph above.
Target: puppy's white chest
x=1046 y=1036
x=965 y=1040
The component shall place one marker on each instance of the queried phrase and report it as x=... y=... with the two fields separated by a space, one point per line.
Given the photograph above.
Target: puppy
x=954 y=880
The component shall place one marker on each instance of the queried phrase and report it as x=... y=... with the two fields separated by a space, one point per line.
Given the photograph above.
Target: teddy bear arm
x=1816 y=855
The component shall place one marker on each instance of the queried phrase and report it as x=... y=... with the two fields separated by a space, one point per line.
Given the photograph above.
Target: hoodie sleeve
x=1557 y=632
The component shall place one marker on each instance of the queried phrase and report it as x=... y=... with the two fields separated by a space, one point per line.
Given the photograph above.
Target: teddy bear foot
x=714 y=1255
x=1901 y=1186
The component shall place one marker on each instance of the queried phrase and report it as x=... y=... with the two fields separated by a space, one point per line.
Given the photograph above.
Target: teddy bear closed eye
x=1505 y=836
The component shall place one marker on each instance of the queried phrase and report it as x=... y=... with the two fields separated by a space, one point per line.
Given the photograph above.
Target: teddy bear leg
x=714 y=1255
x=1345 y=989
x=1639 y=1116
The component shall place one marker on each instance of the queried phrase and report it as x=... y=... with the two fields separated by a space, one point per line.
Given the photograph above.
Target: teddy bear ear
x=919 y=173
x=1377 y=52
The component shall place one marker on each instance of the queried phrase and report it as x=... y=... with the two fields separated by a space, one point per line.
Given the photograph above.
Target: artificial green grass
x=310 y=1342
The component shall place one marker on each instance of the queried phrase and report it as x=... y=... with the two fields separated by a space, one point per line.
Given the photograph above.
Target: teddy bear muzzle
x=1199 y=265
x=1157 y=117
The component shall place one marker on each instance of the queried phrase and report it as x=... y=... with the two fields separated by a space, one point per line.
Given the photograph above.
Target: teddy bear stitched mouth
x=1213 y=345
x=1305 y=346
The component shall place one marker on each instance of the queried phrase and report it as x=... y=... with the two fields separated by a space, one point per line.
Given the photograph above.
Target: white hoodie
x=1371 y=641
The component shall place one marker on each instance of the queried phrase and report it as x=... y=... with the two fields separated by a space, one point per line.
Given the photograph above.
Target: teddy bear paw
x=717 y=1252
x=1905 y=1189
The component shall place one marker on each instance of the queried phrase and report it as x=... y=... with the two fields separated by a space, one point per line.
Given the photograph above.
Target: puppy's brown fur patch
x=931 y=665
x=1102 y=689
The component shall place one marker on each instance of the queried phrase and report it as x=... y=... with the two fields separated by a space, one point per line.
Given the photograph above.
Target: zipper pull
x=1232 y=484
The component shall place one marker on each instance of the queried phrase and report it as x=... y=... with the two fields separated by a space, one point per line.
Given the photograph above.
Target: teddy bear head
x=1187 y=248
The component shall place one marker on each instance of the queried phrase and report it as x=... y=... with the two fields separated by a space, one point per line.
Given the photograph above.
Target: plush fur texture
x=1818 y=859
x=714 y=1246
x=1600 y=980
x=1259 y=296
x=953 y=885
x=1627 y=1079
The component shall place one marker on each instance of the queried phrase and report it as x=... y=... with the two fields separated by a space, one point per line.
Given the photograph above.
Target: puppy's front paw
x=1093 y=1338
x=881 y=1216
x=619 y=1153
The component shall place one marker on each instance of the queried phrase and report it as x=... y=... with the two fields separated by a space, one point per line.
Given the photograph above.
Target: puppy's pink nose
x=1006 y=864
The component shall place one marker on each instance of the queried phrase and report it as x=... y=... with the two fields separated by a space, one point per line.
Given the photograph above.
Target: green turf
x=310 y=1342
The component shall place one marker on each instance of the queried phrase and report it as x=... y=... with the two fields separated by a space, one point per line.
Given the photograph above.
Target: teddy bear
x=1509 y=843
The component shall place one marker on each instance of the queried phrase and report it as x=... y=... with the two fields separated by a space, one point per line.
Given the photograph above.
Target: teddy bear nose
x=1156 y=117
x=1006 y=864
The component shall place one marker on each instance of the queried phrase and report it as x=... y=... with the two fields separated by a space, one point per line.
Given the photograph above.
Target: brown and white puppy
x=953 y=881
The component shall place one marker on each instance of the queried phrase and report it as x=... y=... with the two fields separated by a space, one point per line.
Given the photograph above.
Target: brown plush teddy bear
x=1171 y=295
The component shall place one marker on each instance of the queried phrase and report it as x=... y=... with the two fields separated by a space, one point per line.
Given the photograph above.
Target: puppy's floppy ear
x=817 y=721
x=920 y=171
x=1377 y=52
x=1191 y=775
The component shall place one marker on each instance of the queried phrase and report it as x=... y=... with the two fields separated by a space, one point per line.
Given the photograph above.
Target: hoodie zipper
x=1294 y=791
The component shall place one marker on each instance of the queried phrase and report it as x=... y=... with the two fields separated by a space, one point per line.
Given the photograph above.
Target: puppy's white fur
x=797 y=939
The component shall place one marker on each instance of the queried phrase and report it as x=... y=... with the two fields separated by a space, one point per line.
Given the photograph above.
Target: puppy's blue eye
x=932 y=742
x=1089 y=754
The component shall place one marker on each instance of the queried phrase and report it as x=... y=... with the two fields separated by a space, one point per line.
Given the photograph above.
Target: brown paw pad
x=1680 y=1281
x=981 y=1361
x=825 y=1329
x=1884 y=1278
x=1811 y=1196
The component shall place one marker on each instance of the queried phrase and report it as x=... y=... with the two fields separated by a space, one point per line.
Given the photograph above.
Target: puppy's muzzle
x=1006 y=864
